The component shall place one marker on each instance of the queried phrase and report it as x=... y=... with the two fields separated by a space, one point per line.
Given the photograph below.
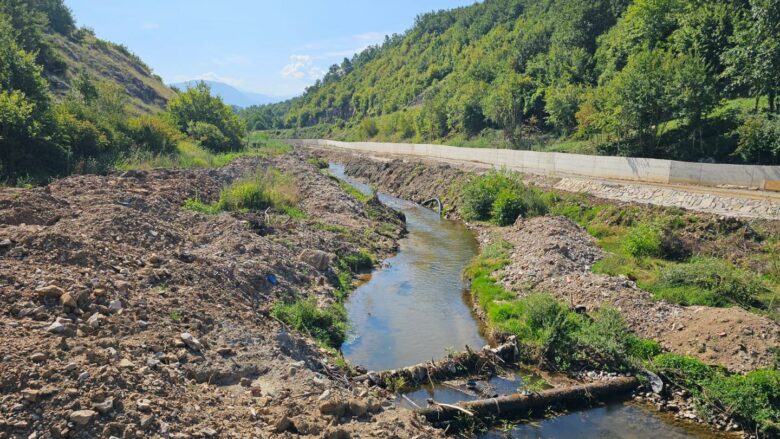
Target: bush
x=753 y=398
x=153 y=134
x=480 y=193
x=606 y=340
x=642 y=240
x=759 y=140
x=709 y=281
x=683 y=371
x=208 y=135
x=326 y=325
x=507 y=207
x=207 y=119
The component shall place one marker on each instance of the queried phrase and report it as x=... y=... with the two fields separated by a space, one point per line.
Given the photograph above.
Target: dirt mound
x=122 y=314
x=554 y=255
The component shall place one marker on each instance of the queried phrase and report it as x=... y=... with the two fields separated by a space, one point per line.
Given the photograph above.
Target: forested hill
x=47 y=29
x=686 y=79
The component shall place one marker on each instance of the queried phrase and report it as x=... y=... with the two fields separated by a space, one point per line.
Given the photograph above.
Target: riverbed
x=415 y=309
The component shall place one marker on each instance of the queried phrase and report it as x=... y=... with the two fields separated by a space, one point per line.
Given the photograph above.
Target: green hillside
x=660 y=78
x=72 y=103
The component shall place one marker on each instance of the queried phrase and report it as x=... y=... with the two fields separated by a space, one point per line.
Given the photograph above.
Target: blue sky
x=271 y=47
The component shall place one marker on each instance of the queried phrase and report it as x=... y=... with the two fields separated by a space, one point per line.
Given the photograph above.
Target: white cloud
x=297 y=65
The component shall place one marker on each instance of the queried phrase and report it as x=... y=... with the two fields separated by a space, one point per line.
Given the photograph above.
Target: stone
x=124 y=363
x=68 y=300
x=324 y=396
x=104 y=407
x=83 y=376
x=82 y=417
x=56 y=328
x=318 y=259
x=70 y=367
x=191 y=342
x=333 y=408
x=30 y=395
x=337 y=434
x=94 y=320
x=115 y=305
x=6 y=244
x=226 y=352
x=144 y=405
x=38 y=357
x=51 y=291
x=282 y=424
x=357 y=408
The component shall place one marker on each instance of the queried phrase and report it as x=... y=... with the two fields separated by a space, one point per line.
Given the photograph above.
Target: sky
x=277 y=48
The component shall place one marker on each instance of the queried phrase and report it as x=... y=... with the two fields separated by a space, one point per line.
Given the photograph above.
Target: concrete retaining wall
x=560 y=164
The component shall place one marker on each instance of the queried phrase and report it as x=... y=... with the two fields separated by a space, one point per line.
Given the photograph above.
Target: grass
x=326 y=325
x=752 y=399
x=267 y=188
x=190 y=155
x=551 y=333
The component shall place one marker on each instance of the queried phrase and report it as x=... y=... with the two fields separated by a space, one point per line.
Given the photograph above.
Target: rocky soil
x=554 y=255
x=124 y=315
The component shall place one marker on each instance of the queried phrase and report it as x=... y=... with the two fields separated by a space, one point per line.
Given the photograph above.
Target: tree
x=633 y=104
x=754 y=61
x=25 y=111
x=197 y=109
x=509 y=99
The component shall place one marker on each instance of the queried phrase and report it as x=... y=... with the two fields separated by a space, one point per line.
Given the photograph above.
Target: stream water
x=414 y=309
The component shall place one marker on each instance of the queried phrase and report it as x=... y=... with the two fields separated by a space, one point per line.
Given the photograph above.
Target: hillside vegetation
x=683 y=79
x=72 y=103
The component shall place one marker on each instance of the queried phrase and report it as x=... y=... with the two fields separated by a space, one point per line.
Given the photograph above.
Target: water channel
x=414 y=309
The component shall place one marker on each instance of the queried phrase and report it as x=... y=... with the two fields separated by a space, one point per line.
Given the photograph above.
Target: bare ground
x=122 y=314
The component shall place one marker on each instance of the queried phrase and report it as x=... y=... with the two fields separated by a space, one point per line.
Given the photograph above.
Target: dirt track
x=122 y=314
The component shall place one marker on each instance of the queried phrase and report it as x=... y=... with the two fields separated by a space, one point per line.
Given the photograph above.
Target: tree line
x=682 y=79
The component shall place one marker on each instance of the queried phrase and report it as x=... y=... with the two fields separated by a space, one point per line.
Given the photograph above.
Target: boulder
x=51 y=291
x=318 y=259
x=82 y=417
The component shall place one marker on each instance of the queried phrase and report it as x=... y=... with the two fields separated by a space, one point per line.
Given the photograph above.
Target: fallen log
x=521 y=404
x=469 y=363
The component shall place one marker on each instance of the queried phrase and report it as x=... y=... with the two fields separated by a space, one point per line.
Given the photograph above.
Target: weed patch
x=327 y=325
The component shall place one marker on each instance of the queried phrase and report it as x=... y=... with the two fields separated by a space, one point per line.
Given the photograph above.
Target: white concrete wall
x=560 y=164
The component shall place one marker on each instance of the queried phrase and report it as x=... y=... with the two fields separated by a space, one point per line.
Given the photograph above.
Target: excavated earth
x=554 y=255
x=124 y=315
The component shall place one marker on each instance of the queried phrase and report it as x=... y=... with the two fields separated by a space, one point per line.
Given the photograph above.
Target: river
x=415 y=308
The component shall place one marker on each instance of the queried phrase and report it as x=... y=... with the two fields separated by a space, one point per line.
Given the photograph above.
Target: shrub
x=318 y=162
x=507 y=207
x=759 y=140
x=753 y=398
x=207 y=135
x=606 y=340
x=709 y=281
x=326 y=325
x=153 y=134
x=683 y=371
x=481 y=193
x=642 y=240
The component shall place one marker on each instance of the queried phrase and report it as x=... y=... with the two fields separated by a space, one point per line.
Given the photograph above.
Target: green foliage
x=507 y=207
x=759 y=139
x=153 y=134
x=327 y=325
x=751 y=398
x=709 y=281
x=500 y=196
x=318 y=162
x=357 y=262
x=267 y=188
x=642 y=240
x=207 y=119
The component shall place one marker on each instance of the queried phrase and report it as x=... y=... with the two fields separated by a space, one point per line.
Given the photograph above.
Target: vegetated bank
x=588 y=284
x=200 y=302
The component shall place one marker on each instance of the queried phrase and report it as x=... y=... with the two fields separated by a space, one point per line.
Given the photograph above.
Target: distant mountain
x=232 y=95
